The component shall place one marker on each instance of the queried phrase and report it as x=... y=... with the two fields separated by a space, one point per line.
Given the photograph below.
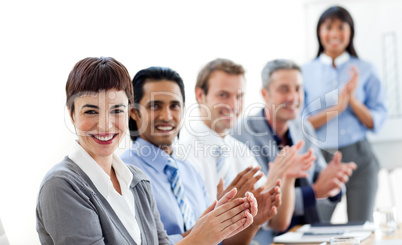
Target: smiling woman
x=351 y=103
x=92 y=182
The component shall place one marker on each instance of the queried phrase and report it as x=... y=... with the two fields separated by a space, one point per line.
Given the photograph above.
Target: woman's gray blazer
x=70 y=210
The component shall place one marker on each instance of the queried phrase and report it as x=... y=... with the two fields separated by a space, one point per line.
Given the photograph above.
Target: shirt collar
x=345 y=56
x=153 y=156
x=277 y=139
x=210 y=136
x=124 y=175
x=97 y=175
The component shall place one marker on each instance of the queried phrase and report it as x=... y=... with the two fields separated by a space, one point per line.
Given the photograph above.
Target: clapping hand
x=268 y=203
x=223 y=219
x=289 y=164
x=333 y=177
x=243 y=182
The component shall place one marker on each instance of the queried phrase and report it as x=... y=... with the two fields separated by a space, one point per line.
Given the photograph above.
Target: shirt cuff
x=309 y=199
x=265 y=226
x=378 y=119
x=299 y=210
x=338 y=197
x=173 y=239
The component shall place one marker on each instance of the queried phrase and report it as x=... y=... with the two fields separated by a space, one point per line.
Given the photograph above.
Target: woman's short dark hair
x=337 y=12
x=91 y=75
x=151 y=74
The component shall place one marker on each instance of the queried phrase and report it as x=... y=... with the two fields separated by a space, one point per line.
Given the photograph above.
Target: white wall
x=42 y=40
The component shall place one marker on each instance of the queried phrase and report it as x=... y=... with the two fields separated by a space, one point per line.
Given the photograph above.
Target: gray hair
x=275 y=65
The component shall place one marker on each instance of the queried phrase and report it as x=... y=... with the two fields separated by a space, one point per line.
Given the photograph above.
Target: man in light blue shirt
x=153 y=160
x=178 y=189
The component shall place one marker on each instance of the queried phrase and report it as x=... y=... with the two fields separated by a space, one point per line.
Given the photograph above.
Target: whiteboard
x=378 y=39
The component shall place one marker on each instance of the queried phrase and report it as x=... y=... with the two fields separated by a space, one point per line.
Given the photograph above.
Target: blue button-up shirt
x=152 y=160
x=322 y=85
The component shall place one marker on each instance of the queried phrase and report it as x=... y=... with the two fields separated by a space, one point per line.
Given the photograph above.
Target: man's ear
x=199 y=95
x=134 y=113
x=265 y=94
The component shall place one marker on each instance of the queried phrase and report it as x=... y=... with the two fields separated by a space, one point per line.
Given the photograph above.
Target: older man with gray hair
x=278 y=125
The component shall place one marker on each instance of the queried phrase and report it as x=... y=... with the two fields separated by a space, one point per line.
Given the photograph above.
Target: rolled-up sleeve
x=375 y=101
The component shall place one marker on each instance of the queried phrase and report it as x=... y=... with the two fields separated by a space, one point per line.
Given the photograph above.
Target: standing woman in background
x=91 y=196
x=344 y=100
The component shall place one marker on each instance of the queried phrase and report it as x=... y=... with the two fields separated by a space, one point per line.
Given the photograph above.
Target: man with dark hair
x=178 y=189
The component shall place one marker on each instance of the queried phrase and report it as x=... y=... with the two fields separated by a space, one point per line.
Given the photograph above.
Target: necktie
x=223 y=168
x=178 y=191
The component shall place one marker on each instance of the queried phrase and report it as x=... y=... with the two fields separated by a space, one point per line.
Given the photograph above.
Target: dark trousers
x=362 y=187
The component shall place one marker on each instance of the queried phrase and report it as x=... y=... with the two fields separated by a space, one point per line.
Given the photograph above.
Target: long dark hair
x=337 y=12
x=151 y=74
